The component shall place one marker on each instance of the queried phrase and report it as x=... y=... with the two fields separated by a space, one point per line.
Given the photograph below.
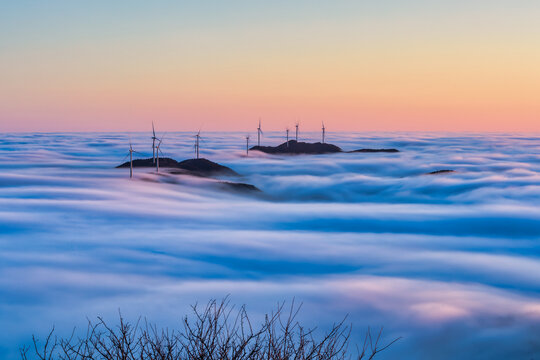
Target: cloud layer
x=448 y=261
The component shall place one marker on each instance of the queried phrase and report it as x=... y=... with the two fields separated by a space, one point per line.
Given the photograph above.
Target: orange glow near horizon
x=388 y=73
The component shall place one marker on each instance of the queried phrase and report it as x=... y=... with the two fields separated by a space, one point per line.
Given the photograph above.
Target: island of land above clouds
x=197 y=167
x=295 y=147
x=200 y=167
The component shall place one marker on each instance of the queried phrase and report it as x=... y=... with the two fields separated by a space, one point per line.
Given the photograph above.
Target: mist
x=450 y=262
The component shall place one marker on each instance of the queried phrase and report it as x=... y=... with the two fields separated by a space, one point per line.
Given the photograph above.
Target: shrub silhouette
x=215 y=332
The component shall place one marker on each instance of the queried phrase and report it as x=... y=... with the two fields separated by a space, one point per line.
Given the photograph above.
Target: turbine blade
x=153 y=131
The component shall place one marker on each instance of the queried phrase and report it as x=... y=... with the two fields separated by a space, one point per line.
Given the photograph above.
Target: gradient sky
x=357 y=65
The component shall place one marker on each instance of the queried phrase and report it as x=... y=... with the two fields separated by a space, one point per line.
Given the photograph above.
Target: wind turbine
x=130 y=160
x=287 y=130
x=158 y=150
x=197 y=141
x=154 y=138
x=297 y=124
x=247 y=145
x=259 y=133
x=130 y=154
x=323 y=132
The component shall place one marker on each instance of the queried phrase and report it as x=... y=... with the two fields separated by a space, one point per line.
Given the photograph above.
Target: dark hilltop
x=374 y=151
x=206 y=167
x=163 y=162
x=198 y=167
x=201 y=167
x=439 y=172
x=294 y=147
x=239 y=187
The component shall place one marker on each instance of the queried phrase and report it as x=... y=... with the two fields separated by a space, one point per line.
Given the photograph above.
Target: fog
x=450 y=262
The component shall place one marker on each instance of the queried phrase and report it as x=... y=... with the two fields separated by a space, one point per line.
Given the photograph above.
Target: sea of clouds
x=450 y=262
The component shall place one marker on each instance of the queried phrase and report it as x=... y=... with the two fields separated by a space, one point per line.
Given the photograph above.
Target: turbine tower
x=130 y=160
x=130 y=154
x=259 y=133
x=323 y=132
x=247 y=145
x=154 y=138
x=297 y=124
x=158 y=150
x=287 y=130
x=197 y=142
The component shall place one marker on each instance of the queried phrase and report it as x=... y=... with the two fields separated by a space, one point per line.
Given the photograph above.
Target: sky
x=390 y=65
